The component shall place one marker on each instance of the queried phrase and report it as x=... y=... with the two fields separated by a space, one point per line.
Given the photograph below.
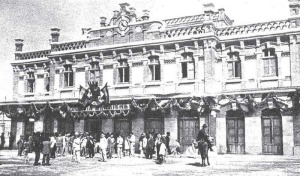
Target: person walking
x=103 y=147
x=90 y=146
x=11 y=140
x=59 y=145
x=119 y=146
x=157 y=145
x=52 y=146
x=37 y=147
x=150 y=147
x=168 y=139
x=76 y=148
x=142 y=144
x=46 y=151
x=110 y=145
x=2 y=141
x=132 y=144
x=20 y=144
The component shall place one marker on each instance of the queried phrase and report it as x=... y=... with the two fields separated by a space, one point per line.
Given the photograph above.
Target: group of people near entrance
x=107 y=145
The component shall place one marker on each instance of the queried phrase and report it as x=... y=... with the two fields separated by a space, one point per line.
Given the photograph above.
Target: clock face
x=123 y=25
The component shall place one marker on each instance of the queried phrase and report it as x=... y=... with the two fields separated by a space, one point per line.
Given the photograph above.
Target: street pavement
x=220 y=165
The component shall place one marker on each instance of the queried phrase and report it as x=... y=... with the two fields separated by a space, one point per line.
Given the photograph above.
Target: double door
x=188 y=131
x=272 y=135
x=235 y=135
x=154 y=126
x=122 y=126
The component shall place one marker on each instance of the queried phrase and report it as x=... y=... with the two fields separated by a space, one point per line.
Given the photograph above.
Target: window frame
x=70 y=76
x=30 y=82
x=187 y=58
x=155 y=65
x=94 y=69
x=123 y=68
x=269 y=63
x=236 y=65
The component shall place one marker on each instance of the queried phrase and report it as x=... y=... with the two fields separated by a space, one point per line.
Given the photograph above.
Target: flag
x=105 y=96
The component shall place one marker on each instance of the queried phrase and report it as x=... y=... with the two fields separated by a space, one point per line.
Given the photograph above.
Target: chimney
x=132 y=14
x=294 y=7
x=146 y=15
x=55 y=34
x=294 y=13
x=19 y=45
x=114 y=18
x=102 y=21
x=208 y=11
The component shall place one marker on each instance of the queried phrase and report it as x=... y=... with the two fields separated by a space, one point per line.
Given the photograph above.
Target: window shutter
x=230 y=69
x=191 y=70
x=126 y=74
x=238 y=69
x=120 y=75
x=273 y=67
x=97 y=75
x=184 y=70
x=150 y=72
x=157 y=72
x=266 y=67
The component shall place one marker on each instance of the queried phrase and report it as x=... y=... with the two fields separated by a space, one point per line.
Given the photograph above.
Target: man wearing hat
x=202 y=135
x=76 y=148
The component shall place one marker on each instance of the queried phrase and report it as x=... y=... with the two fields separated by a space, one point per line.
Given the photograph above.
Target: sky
x=31 y=20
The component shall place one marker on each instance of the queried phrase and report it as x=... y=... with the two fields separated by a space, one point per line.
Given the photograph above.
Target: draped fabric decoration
x=152 y=107
x=246 y=103
x=271 y=101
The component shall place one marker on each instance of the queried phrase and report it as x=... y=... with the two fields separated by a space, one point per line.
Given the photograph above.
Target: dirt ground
x=220 y=165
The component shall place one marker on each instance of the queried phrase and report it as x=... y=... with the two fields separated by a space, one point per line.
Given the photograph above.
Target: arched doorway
x=93 y=125
x=66 y=124
x=122 y=125
x=235 y=128
x=188 y=127
x=154 y=122
x=272 y=131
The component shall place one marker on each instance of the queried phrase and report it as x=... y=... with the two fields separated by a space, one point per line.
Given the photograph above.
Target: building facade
x=171 y=76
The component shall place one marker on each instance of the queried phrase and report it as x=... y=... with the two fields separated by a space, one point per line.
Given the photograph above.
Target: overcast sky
x=31 y=20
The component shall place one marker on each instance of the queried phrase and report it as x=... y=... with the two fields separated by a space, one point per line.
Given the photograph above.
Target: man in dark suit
x=2 y=141
x=202 y=135
x=37 y=147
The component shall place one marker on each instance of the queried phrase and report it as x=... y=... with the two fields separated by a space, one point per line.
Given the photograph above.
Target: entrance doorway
x=122 y=126
x=93 y=126
x=154 y=126
x=188 y=131
x=272 y=132
x=235 y=124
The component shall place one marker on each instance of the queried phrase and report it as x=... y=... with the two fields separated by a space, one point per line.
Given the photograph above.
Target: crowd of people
x=108 y=146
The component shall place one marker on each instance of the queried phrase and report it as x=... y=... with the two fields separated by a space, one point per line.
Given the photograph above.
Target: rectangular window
x=95 y=72
x=270 y=66
x=30 y=82
x=234 y=69
x=155 y=72
x=68 y=76
x=123 y=74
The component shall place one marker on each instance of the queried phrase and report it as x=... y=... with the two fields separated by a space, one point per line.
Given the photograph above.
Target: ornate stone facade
x=172 y=76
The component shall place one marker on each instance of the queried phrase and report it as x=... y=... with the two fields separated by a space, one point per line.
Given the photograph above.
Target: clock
x=123 y=25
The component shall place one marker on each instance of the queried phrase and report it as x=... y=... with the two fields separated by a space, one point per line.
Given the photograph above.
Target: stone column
x=288 y=135
x=258 y=54
x=115 y=73
x=55 y=125
x=39 y=124
x=253 y=135
x=16 y=92
x=295 y=59
x=20 y=129
x=171 y=125
x=209 y=68
x=138 y=125
x=221 y=135
x=130 y=76
x=224 y=71
x=279 y=70
x=101 y=74
x=243 y=65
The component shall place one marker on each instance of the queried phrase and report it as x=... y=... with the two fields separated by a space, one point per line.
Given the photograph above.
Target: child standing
x=162 y=151
x=26 y=151
x=46 y=151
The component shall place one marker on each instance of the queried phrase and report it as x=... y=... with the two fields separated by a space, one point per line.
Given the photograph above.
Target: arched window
x=269 y=62
x=123 y=70
x=154 y=67
x=234 y=65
